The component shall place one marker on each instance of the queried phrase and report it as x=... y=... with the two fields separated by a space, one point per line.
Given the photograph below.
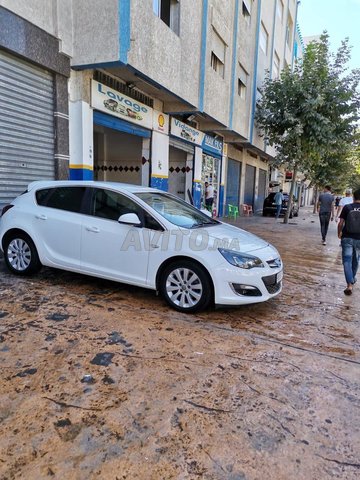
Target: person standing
x=209 y=196
x=349 y=233
x=325 y=208
x=278 y=199
x=344 y=201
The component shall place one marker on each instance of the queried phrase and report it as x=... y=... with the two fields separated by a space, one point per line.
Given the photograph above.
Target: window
x=62 y=198
x=111 y=205
x=242 y=82
x=289 y=31
x=280 y=9
x=218 y=54
x=169 y=12
x=176 y=211
x=246 y=10
x=276 y=67
x=264 y=39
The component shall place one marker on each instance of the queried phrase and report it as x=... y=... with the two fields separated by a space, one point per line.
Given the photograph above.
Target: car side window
x=62 y=198
x=111 y=205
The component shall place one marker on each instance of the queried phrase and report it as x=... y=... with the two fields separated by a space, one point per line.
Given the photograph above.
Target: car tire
x=20 y=254
x=186 y=286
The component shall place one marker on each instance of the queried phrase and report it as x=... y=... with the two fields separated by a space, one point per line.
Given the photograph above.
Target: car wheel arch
x=179 y=258
x=14 y=231
x=30 y=262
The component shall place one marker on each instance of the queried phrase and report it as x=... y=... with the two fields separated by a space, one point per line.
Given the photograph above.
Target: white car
x=140 y=236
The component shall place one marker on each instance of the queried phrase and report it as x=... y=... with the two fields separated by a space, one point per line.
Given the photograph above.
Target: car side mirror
x=130 y=219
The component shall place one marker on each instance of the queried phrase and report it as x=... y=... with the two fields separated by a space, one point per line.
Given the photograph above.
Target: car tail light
x=5 y=209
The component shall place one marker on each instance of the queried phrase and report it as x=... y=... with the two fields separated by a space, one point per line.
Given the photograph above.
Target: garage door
x=26 y=126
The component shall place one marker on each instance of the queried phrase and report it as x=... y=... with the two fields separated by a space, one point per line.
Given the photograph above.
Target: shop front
x=34 y=129
x=122 y=130
x=115 y=138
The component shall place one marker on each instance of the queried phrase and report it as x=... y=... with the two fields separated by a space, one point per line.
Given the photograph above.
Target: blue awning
x=121 y=125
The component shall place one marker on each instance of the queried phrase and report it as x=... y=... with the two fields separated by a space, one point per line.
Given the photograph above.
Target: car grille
x=271 y=285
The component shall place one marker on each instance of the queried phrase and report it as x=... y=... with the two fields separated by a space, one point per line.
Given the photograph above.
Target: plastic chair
x=247 y=209
x=233 y=211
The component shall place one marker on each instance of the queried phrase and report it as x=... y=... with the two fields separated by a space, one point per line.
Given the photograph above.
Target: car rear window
x=62 y=198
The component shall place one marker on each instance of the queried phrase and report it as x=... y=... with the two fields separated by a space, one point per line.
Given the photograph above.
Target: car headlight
x=241 y=260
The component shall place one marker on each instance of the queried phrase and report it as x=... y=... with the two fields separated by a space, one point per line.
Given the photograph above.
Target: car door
x=57 y=223
x=111 y=249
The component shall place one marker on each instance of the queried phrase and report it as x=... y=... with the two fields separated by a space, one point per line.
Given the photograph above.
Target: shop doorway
x=117 y=156
x=211 y=174
x=177 y=172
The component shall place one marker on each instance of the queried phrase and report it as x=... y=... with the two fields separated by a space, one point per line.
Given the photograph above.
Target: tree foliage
x=309 y=114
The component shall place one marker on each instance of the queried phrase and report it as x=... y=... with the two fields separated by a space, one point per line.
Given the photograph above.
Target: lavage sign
x=110 y=101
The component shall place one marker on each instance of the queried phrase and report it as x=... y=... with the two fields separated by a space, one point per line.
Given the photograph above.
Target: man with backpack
x=349 y=233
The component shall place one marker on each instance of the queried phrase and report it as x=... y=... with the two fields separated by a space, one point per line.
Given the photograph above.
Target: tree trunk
x=291 y=194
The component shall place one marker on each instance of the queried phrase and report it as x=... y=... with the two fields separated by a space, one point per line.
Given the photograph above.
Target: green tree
x=309 y=114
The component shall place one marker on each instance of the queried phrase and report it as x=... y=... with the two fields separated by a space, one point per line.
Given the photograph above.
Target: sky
x=340 y=18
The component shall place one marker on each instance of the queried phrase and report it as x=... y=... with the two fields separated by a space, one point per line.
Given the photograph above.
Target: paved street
x=102 y=380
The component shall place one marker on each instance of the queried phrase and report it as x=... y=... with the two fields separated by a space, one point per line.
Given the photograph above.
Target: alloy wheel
x=19 y=254
x=184 y=288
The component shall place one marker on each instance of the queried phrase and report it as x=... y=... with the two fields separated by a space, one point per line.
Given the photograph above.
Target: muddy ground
x=102 y=380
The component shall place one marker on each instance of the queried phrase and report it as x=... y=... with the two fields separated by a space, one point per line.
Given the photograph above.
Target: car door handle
x=41 y=217
x=154 y=246
x=93 y=229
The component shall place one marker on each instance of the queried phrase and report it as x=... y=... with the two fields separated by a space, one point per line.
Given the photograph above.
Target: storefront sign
x=110 y=101
x=185 y=132
x=160 y=122
x=212 y=145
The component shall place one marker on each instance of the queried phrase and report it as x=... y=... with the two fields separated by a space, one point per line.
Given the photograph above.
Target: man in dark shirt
x=325 y=208
x=349 y=233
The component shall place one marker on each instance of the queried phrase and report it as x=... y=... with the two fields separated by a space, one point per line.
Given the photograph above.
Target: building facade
x=152 y=92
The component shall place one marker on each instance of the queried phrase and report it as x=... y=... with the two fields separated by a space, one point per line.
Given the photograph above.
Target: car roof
x=90 y=183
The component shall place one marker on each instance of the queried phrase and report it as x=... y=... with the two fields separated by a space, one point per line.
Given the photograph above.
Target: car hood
x=228 y=236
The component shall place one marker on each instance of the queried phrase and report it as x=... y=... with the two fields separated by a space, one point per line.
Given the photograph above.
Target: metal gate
x=261 y=190
x=233 y=183
x=26 y=126
x=249 y=185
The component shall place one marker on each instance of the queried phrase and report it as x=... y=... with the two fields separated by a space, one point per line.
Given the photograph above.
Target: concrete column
x=159 y=161
x=197 y=177
x=81 y=141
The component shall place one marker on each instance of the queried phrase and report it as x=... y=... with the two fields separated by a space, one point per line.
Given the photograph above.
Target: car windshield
x=176 y=211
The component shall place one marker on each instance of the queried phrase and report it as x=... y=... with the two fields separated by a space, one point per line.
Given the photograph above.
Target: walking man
x=349 y=233
x=278 y=199
x=325 y=208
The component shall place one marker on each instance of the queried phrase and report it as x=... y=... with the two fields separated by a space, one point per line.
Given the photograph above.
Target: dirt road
x=101 y=380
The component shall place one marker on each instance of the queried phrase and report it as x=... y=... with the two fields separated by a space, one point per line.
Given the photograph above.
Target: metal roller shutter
x=186 y=147
x=26 y=126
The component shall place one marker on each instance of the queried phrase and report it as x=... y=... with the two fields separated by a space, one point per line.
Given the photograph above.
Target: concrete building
x=160 y=92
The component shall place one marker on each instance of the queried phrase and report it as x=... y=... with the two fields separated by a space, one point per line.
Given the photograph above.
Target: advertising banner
x=185 y=132
x=110 y=101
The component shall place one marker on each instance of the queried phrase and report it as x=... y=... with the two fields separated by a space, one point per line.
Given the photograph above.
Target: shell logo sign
x=161 y=122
